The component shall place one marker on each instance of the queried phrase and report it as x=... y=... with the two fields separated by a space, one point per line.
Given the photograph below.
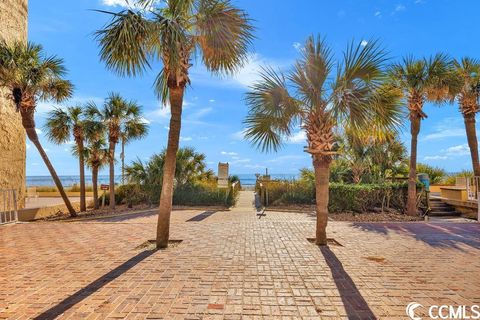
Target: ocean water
x=67 y=181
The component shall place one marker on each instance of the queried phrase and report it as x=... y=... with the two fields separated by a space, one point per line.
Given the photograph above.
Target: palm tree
x=307 y=96
x=420 y=81
x=173 y=32
x=30 y=77
x=135 y=128
x=118 y=116
x=467 y=73
x=97 y=156
x=60 y=126
x=95 y=151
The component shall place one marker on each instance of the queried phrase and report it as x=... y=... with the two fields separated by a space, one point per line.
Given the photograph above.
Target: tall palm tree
x=467 y=73
x=61 y=125
x=173 y=32
x=420 y=80
x=30 y=76
x=307 y=96
x=117 y=114
x=135 y=128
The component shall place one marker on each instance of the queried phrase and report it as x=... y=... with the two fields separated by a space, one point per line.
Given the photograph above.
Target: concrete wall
x=13 y=26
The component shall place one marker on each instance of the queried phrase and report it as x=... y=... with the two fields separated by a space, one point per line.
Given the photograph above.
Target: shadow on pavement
x=440 y=235
x=353 y=301
x=94 y=286
x=202 y=216
x=126 y=217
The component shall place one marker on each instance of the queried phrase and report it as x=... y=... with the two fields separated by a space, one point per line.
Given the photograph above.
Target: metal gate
x=8 y=206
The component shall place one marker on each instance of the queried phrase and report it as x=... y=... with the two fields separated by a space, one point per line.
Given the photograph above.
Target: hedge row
x=199 y=194
x=342 y=197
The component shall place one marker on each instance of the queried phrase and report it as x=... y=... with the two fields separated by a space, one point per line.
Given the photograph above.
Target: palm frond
x=125 y=42
x=224 y=34
x=311 y=72
x=58 y=126
x=273 y=112
x=357 y=79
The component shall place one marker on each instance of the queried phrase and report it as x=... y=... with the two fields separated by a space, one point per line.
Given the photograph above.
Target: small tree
x=30 y=77
x=97 y=157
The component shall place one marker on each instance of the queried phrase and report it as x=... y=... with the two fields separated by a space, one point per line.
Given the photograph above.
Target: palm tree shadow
x=94 y=286
x=355 y=305
x=202 y=216
x=438 y=235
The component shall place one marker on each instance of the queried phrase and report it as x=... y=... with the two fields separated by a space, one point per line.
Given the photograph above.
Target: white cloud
x=163 y=112
x=38 y=131
x=400 y=7
x=378 y=14
x=239 y=135
x=445 y=133
x=225 y=153
x=200 y=113
x=243 y=78
x=28 y=146
x=240 y=161
x=364 y=43
x=297 y=46
x=211 y=100
x=460 y=150
x=44 y=107
x=186 y=138
x=452 y=152
x=298 y=137
x=115 y=3
x=437 y=157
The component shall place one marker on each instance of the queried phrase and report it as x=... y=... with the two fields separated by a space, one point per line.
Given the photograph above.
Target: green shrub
x=204 y=194
x=366 y=197
x=130 y=194
x=435 y=174
x=342 y=197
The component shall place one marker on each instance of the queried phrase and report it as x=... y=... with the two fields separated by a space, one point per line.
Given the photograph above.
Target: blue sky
x=214 y=107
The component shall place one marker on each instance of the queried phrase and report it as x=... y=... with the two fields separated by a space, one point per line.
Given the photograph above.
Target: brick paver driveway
x=233 y=265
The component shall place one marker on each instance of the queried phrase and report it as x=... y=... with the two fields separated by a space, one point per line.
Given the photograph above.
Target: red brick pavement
x=233 y=265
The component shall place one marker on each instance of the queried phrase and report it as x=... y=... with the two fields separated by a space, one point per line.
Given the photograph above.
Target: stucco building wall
x=13 y=26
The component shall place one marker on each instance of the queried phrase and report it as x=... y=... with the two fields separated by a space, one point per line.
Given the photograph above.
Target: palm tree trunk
x=166 y=196
x=412 y=175
x=111 y=152
x=28 y=122
x=81 y=160
x=95 y=187
x=123 y=160
x=469 y=120
x=321 y=166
